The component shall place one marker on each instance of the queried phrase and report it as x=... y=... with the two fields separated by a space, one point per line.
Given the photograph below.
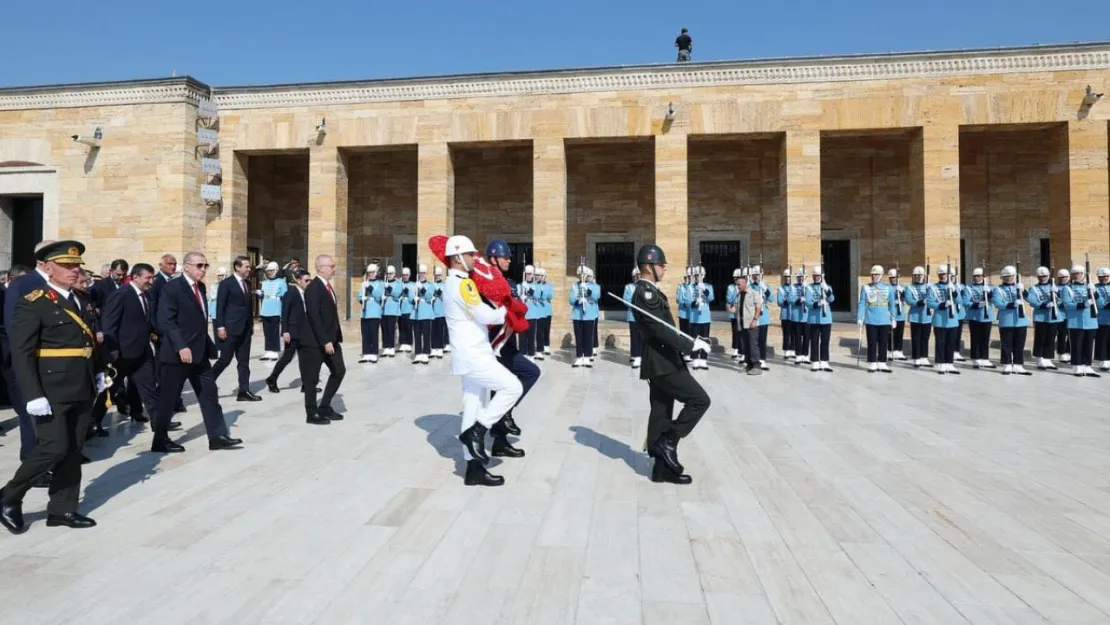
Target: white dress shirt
x=467 y=324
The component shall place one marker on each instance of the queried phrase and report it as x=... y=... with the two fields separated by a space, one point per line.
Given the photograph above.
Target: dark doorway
x=837 y=263
x=408 y=259
x=26 y=229
x=614 y=270
x=522 y=255
x=256 y=257
x=963 y=263
x=720 y=259
x=1046 y=253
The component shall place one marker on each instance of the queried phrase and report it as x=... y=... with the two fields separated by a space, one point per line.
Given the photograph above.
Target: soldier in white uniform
x=472 y=358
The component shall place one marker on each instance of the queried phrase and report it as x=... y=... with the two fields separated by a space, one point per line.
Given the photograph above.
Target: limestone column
x=1079 y=195
x=800 y=197
x=226 y=235
x=935 y=194
x=672 y=228
x=327 y=216
x=435 y=201
x=549 y=223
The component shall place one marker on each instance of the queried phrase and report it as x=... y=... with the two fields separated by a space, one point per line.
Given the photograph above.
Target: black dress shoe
x=329 y=412
x=69 y=519
x=502 y=447
x=224 y=442
x=174 y=425
x=271 y=385
x=316 y=419
x=475 y=440
x=85 y=459
x=11 y=516
x=476 y=475
x=166 y=446
x=43 y=481
x=318 y=391
x=661 y=473
x=179 y=408
x=505 y=426
x=139 y=418
x=666 y=449
x=123 y=409
x=247 y=396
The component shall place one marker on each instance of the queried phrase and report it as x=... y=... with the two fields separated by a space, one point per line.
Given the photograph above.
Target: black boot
x=665 y=448
x=661 y=473
x=510 y=425
x=475 y=440
x=476 y=475
x=502 y=447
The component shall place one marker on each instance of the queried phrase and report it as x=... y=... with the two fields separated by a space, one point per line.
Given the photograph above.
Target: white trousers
x=491 y=376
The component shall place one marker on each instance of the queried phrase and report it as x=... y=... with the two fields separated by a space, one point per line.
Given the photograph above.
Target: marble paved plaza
x=841 y=498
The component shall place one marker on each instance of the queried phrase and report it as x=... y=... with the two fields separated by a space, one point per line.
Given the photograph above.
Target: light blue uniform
x=1011 y=310
x=962 y=291
x=272 y=291
x=784 y=298
x=898 y=294
x=917 y=298
x=1039 y=297
x=408 y=299
x=370 y=295
x=393 y=289
x=945 y=304
x=547 y=295
x=768 y=297
x=423 y=307
x=876 y=304
x=680 y=300
x=818 y=298
x=437 y=298
x=1102 y=298
x=977 y=305
x=697 y=303
x=629 y=289
x=586 y=310
x=1076 y=303
x=732 y=295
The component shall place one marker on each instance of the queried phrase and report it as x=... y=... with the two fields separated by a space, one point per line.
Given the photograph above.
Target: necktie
x=243 y=285
x=330 y=292
x=146 y=306
x=200 y=301
x=73 y=303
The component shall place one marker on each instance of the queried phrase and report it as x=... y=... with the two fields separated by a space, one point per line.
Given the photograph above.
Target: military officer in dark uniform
x=52 y=345
x=662 y=348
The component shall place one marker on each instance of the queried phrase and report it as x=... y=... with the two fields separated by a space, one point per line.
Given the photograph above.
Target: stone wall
x=277 y=222
x=381 y=205
x=1005 y=195
x=493 y=192
x=610 y=194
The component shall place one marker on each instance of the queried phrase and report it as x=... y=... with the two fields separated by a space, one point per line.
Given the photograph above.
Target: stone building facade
x=990 y=157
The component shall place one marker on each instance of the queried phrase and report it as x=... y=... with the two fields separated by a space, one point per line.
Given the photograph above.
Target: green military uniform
x=52 y=345
x=665 y=370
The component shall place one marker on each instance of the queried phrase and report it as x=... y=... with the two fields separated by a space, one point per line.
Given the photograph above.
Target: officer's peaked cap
x=62 y=252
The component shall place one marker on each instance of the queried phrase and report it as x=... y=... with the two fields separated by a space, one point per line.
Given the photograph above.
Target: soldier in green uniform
x=52 y=345
x=662 y=348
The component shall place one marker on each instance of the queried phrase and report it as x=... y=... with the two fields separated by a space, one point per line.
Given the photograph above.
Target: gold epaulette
x=33 y=295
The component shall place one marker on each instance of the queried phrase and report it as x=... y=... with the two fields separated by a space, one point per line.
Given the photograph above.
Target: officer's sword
x=650 y=316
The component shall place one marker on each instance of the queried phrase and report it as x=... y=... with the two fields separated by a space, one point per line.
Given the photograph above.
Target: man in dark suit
x=102 y=289
x=294 y=324
x=320 y=342
x=16 y=291
x=665 y=370
x=167 y=267
x=184 y=354
x=127 y=326
x=126 y=400
x=52 y=345
x=235 y=325
x=16 y=271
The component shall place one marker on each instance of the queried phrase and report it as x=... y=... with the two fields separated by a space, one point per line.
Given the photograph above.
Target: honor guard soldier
x=898 y=332
x=699 y=295
x=273 y=289
x=1013 y=322
x=547 y=295
x=765 y=297
x=213 y=293
x=371 y=294
x=944 y=301
x=1102 y=335
x=407 y=301
x=1044 y=298
x=799 y=318
x=921 y=317
x=530 y=294
x=664 y=369
x=818 y=297
x=962 y=293
x=1082 y=310
x=783 y=297
x=980 y=318
x=391 y=311
x=422 y=316
x=1063 y=335
x=876 y=310
x=52 y=347
x=732 y=297
x=680 y=298
x=439 y=324
x=633 y=333
x=583 y=310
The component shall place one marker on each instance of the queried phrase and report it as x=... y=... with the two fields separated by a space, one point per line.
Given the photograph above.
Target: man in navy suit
x=167 y=267
x=127 y=327
x=102 y=289
x=184 y=354
x=320 y=342
x=126 y=400
x=20 y=287
x=235 y=325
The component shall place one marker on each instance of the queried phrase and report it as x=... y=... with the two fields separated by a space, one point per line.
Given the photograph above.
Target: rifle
x=949 y=290
x=1020 y=300
x=1091 y=287
x=805 y=304
x=581 y=277
x=1052 y=289
x=899 y=295
x=986 y=289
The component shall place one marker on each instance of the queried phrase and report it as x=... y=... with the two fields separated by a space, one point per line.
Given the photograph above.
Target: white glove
x=582 y=302
x=259 y=293
x=860 y=322
x=102 y=382
x=39 y=407
x=701 y=346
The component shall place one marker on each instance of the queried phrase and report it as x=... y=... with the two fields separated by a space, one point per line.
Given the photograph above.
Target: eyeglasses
x=199 y=265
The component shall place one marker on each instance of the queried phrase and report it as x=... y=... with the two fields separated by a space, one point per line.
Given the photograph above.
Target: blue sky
x=241 y=42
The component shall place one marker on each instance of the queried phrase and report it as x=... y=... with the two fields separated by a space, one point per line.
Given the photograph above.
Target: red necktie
x=200 y=301
x=330 y=292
